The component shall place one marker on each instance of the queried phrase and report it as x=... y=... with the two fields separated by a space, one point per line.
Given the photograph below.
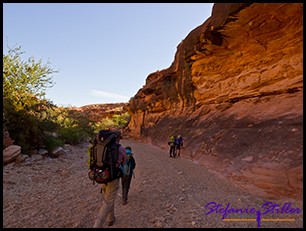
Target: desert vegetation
x=33 y=121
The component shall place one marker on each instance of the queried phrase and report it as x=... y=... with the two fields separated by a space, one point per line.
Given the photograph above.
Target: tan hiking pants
x=107 y=210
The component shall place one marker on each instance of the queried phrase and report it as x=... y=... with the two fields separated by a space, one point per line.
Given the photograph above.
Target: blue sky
x=103 y=51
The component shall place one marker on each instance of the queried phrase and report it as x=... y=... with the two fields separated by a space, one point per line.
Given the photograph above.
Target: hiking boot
x=110 y=223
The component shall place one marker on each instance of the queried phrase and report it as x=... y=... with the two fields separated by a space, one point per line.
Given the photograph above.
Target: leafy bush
x=73 y=135
x=122 y=120
x=28 y=115
x=51 y=143
x=117 y=121
x=23 y=128
x=24 y=83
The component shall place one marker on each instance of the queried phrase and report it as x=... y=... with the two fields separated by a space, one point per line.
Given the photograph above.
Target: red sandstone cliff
x=97 y=112
x=234 y=92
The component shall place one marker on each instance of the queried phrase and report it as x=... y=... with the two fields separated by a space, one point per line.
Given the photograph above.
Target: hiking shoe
x=110 y=223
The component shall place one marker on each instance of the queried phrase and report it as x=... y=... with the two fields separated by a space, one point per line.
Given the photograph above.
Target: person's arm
x=133 y=163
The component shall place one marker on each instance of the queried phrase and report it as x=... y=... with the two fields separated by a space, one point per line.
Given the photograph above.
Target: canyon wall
x=98 y=112
x=235 y=93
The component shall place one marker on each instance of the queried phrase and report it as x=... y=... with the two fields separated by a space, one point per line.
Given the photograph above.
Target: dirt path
x=165 y=192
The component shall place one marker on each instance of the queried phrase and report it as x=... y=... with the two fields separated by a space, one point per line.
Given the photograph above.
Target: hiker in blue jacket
x=127 y=173
x=178 y=143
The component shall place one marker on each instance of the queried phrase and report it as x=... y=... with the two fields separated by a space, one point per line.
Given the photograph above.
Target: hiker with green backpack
x=172 y=145
x=127 y=173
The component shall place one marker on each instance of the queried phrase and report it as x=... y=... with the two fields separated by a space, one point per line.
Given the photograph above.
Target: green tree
x=117 y=121
x=25 y=82
x=121 y=119
x=24 y=105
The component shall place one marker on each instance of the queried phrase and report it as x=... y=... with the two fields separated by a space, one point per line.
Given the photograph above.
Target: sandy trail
x=165 y=192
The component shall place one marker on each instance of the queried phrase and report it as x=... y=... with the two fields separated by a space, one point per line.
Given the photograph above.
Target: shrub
x=117 y=121
x=51 y=143
x=73 y=135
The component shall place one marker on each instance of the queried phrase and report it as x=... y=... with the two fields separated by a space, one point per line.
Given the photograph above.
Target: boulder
x=11 y=153
x=7 y=141
x=57 y=152
x=43 y=152
x=20 y=158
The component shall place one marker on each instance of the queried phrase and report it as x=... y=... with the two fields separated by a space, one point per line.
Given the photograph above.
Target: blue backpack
x=127 y=168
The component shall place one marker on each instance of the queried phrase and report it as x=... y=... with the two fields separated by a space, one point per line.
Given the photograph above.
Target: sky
x=102 y=52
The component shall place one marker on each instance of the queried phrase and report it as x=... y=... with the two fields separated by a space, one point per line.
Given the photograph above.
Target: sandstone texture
x=97 y=112
x=235 y=93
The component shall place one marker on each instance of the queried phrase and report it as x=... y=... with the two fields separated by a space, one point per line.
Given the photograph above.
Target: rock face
x=235 y=93
x=96 y=112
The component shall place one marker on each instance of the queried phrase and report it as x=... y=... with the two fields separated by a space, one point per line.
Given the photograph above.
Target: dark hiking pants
x=172 y=151
x=125 y=183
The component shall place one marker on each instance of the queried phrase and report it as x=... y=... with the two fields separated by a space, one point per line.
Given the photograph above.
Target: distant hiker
x=179 y=143
x=172 y=146
x=109 y=189
x=127 y=173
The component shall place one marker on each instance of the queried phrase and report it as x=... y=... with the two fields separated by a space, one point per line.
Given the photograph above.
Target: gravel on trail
x=165 y=193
